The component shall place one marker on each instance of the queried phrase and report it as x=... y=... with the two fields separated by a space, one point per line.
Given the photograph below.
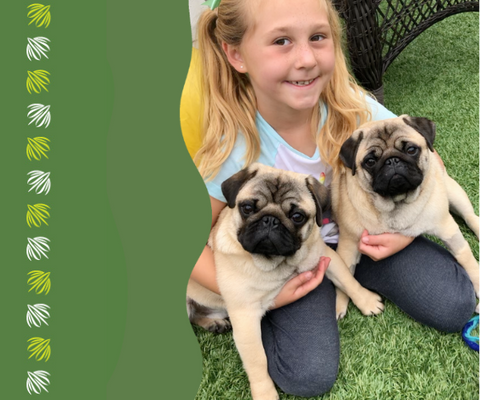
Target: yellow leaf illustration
x=37 y=147
x=40 y=281
x=37 y=214
x=39 y=14
x=40 y=348
x=37 y=80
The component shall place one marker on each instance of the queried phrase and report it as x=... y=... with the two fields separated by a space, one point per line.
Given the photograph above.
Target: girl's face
x=288 y=53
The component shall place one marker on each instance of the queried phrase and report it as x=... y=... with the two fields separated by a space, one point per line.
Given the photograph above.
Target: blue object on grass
x=471 y=341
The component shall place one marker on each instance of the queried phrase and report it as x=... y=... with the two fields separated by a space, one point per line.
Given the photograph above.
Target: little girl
x=277 y=91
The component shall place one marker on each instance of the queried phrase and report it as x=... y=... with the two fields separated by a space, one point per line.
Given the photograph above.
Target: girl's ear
x=234 y=57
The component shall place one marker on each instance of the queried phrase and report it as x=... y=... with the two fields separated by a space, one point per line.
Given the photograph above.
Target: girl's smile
x=302 y=83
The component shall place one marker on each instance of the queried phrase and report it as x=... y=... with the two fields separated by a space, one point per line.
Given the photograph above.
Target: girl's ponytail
x=229 y=102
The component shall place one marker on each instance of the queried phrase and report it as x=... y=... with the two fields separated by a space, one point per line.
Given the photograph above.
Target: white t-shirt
x=276 y=152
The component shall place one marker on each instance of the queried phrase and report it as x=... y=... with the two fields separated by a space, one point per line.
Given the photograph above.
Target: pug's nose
x=392 y=160
x=270 y=221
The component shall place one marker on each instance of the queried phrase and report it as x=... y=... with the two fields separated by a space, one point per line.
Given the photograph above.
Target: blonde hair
x=229 y=101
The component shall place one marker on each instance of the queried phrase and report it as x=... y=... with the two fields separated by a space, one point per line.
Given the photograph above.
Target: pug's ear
x=232 y=185
x=348 y=152
x=424 y=127
x=321 y=196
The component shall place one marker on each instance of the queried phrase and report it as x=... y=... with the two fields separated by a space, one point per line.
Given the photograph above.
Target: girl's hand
x=302 y=284
x=378 y=247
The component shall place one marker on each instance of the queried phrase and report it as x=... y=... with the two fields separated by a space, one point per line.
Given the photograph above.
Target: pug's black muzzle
x=269 y=237
x=395 y=177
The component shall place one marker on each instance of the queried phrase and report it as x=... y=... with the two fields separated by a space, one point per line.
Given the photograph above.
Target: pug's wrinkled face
x=390 y=157
x=275 y=210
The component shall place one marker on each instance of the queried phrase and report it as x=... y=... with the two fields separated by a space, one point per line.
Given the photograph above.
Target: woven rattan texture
x=378 y=30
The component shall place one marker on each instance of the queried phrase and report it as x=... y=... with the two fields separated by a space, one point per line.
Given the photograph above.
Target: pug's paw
x=273 y=396
x=219 y=326
x=265 y=391
x=341 y=304
x=370 y=303
x=214 y=325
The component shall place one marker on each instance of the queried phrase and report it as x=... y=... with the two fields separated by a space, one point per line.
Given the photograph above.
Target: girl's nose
x=305 y=57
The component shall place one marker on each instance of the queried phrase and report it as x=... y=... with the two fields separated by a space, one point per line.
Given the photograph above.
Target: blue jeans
x=301 y=339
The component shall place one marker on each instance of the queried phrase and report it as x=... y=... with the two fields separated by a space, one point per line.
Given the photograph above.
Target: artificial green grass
x=391 y=356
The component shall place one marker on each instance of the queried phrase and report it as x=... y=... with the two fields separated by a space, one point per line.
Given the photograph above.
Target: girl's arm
x=302 y=284
x=204 y=271
x=378 y=247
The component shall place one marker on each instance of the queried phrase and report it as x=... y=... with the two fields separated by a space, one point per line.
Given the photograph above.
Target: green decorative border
x=128 y=212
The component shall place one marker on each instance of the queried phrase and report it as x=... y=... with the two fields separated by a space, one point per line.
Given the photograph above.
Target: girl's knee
x=307 y=382
x=447 y=310
x=314 y=385
x=456 y=311
x=457 y=302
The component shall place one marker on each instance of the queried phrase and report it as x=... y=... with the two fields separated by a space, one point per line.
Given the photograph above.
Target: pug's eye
x=247 y=209
x=297 y=218
x=370 y=162
x=412 y=151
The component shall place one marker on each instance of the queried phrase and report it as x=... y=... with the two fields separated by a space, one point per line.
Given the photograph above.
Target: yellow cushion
x=190 y=106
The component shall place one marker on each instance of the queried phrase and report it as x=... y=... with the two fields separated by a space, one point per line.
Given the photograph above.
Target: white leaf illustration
x=37 y=247
x=40 y=181
x=37 y=47
x=37 y=314
x=37 y=381
x=39 y=114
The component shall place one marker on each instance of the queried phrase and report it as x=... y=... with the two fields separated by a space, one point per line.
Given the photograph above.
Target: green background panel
x=129 y=212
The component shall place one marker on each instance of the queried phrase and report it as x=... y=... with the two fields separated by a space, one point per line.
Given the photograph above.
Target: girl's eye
x=317 y=38
x=298 y=218
x=282 y=41
x=412 y=151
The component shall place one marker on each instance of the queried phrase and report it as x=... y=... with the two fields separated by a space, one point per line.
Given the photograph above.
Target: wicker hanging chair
x=378 y=30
